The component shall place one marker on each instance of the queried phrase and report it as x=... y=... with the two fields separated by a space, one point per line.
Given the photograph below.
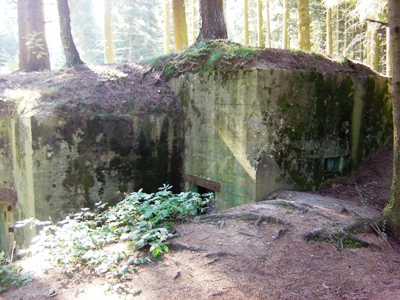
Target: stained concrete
x=243 y=134
x=254 y=131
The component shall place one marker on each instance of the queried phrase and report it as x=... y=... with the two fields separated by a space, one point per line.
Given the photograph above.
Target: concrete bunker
x=253 y=131
x=242 y=134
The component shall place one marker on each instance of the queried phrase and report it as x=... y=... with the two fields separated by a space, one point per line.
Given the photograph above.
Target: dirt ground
x=254 y=251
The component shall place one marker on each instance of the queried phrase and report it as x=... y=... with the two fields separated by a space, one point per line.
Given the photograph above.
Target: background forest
x=355 y=29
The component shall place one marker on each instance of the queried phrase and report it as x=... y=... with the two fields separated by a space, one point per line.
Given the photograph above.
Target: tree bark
x=180 y=27
x=71 y=53
x=304 y=26
x=212 y=21
x=391 y=213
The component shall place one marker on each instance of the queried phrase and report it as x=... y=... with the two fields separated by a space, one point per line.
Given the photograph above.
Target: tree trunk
x=23 y=32
x=268 y=25
x=329 y=35
x=194 y=20
x=167 y=30
x=352 y=45
x=246 y=21
x=109 y=55
x=260 y=34
x=388 y=53
x=338 y=29
x=36 y=39
x=345 y=29
x=374 y=48
x=304 y=26
x=285 y=27
x=180 y=28
x=391 y=213
x=71 y=54
x=212 y=21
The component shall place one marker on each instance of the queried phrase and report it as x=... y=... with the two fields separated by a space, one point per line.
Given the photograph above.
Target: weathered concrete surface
x=257 y=130
x=58 y=165
x=243 y=134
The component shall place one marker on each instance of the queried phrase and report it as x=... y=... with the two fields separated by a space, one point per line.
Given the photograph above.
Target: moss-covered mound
x=225 y=56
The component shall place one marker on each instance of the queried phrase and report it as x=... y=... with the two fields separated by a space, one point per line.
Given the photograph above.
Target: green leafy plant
x=11 y=275
x=204 y=57
x=35 y=44
x=141 y=220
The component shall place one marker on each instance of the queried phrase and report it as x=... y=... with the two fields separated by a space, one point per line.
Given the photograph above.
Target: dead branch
x=383 y=24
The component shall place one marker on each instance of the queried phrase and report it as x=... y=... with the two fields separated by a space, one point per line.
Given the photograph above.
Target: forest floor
x=234 y=254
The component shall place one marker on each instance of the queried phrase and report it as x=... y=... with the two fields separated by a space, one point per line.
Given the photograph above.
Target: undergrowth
x=10 y=274
x=207 y=56
x=141 y=223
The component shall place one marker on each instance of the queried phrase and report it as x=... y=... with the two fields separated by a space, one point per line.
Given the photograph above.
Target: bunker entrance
x=203 y=186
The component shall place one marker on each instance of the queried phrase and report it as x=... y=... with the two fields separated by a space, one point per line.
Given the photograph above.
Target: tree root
x=358 y=225
x=245 y=216
x=220 y=253
x=339 y=238
x=212 y=261
x=302 y=207
x=179 y=246
x=281 y=233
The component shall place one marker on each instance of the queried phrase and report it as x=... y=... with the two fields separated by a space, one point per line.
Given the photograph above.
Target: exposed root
x=340 y=238
x=358 y=225
x=212 y=261
x=316 y=234
x=179 y=246
x=245 y=216
x=281 y=233
x=302 y=207
x=220 y=253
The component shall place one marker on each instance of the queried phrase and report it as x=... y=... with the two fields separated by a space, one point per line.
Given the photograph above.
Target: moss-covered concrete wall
x=250 y=132
x=243 y=134
x=58 y=165
x=81 y=162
